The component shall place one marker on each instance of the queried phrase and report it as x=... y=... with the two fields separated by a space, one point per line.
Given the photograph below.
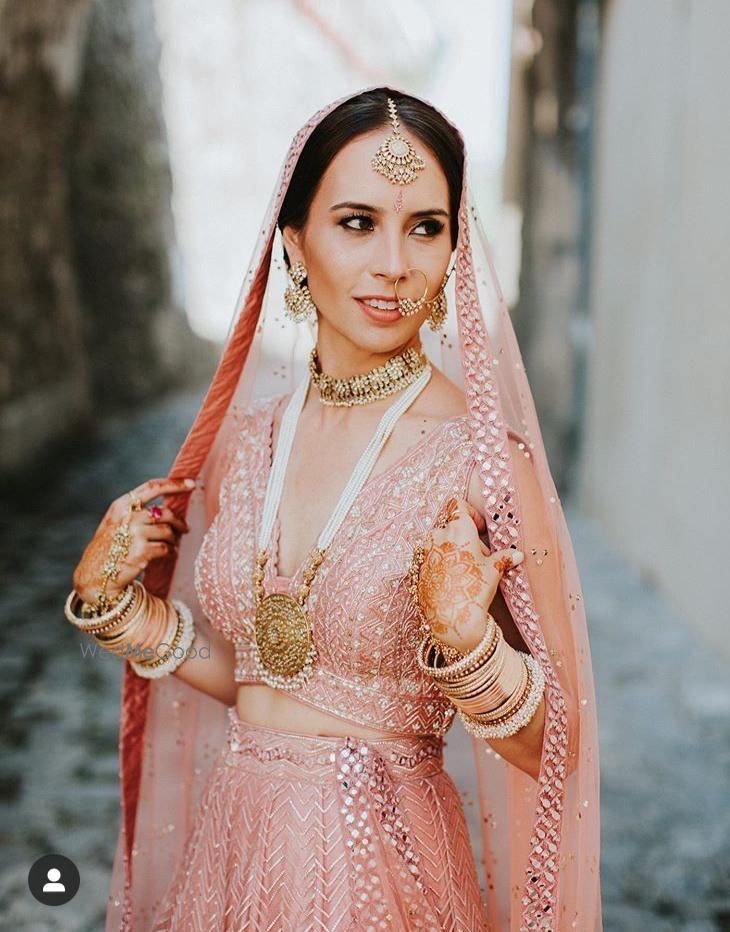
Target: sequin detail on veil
x=493 y=462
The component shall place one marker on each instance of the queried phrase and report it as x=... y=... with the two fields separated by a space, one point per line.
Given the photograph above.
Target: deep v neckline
x=273 y=561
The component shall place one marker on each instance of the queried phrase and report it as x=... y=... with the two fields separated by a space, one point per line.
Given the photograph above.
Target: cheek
x=336 y=264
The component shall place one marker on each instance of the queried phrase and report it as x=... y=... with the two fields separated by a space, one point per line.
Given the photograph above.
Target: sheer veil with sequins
x=540 y=839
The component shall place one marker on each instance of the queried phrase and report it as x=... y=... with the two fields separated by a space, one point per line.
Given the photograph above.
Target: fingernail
x=190 y=483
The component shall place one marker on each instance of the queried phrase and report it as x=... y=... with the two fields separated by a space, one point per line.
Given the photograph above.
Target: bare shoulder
x=440 y=400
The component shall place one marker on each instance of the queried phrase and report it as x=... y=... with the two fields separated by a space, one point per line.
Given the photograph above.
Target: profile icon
x=53 y=886
x=54 y=879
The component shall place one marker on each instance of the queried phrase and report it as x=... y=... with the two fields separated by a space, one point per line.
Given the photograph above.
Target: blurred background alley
x=140 y=140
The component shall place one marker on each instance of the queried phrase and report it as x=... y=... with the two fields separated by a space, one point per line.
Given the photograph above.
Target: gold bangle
x=134 y=622
x=505 y=706
x=117 y=619
x=495 y=682
x=466 y=664
x=451 y=676
x=486 y=674
x=488 y=718
x=166 y=625
x=517 y=720
x=82 y=621
x=177 y=637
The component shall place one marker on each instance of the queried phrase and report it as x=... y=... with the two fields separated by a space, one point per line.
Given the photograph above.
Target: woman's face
x=357 y=241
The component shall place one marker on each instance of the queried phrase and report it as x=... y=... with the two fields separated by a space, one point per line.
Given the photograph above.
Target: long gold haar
x=285 y=650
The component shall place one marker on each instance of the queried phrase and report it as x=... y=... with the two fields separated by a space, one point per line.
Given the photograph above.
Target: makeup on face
x=379 y=309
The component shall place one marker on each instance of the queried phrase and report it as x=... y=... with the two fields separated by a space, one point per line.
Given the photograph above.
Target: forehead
x=350 y=177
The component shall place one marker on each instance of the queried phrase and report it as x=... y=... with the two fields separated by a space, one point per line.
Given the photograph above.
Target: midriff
x=261 y=704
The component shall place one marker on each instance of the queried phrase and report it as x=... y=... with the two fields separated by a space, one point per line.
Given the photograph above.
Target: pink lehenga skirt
x=297 y=833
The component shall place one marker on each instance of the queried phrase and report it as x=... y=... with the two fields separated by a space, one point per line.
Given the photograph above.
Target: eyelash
x=436 y=225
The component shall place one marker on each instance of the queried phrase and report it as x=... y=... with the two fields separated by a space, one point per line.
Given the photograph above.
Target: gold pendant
x=285 y=648
x=283 y=635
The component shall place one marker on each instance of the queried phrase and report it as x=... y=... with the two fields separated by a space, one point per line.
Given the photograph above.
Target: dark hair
x=361 y=114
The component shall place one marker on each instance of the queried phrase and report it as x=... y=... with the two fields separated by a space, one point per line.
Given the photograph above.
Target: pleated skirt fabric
x=297 y=833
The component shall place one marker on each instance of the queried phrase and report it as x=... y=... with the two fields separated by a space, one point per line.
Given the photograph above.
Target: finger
x=151 y=489
x=166 y=516
x=504 y=560
x=478 y=519
x=152 y=551
x=159 y=532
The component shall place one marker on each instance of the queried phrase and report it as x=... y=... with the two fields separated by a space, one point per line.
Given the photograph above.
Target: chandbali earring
x=297 y=298
x=438 y=305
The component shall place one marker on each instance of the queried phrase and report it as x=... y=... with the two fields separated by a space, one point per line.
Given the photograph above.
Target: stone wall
x=91 y=316
x=548 y=175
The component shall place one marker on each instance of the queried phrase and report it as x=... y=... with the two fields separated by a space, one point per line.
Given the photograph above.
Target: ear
x=292 y=243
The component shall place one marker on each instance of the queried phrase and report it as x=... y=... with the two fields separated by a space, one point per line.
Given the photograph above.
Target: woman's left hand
x=459 y=576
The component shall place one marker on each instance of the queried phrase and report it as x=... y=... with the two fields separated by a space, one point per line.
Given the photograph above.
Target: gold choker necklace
x=396 y=373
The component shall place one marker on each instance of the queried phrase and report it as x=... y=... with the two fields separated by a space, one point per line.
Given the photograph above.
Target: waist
x=417 y=755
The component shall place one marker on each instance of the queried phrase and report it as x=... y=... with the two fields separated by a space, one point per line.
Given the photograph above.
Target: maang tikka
x=396 y=159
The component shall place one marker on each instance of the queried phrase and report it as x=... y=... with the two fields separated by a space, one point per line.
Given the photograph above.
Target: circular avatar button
x=53 y=879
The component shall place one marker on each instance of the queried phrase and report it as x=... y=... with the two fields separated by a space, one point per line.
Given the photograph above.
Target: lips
x=376 y=314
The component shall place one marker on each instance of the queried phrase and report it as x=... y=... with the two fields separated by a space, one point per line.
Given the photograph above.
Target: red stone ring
x=155 y=512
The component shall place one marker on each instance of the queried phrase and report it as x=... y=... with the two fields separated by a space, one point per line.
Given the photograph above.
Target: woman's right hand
x=150 y=538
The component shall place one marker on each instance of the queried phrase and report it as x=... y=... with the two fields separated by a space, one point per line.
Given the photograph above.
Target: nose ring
x=409 y=307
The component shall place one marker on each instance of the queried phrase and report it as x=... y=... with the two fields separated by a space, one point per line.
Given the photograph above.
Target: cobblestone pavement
x=663 y=699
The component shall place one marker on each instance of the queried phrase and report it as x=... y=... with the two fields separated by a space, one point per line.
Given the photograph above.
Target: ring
x=450 y=512
x=408 y=306
x=155 y=512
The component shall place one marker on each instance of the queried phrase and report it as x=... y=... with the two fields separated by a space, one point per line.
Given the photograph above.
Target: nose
x=390 y=260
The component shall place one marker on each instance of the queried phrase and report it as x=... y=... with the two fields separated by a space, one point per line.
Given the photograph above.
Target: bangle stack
x=138 y=617
x=495 y=688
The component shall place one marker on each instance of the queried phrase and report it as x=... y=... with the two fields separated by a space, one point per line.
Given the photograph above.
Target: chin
x=389 y=343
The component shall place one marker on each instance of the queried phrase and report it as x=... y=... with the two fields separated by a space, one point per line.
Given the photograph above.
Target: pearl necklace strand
x=360 y=473
x=285 y=650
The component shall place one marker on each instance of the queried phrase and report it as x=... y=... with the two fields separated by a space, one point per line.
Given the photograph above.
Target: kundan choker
x=396 y=373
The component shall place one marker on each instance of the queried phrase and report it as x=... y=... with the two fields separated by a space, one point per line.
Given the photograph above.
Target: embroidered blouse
x=365 y=629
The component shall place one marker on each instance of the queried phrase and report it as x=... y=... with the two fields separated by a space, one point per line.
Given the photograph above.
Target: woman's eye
x=360 y=223
x=429 y=228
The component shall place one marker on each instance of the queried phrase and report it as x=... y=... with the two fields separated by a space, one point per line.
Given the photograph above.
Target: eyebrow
x=353 y=205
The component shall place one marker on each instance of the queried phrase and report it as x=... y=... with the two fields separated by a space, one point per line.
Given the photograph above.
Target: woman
x=365 y=553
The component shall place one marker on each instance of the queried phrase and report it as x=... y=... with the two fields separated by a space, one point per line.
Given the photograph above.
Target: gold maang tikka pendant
x=396 y=159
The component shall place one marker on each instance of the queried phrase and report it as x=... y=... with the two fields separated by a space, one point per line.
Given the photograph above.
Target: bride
x=342 y=566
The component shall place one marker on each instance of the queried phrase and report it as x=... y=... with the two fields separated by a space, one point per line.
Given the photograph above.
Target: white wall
x=656 y=467
x=241 y=76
